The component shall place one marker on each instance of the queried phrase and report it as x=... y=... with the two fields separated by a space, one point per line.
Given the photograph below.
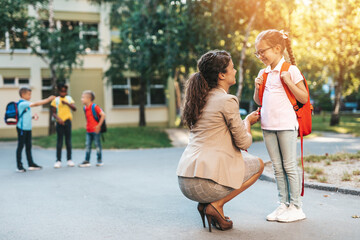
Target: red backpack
x=303 y=111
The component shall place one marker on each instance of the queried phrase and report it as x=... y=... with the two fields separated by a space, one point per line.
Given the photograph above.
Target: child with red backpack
x=282 y=92
x=95 y=125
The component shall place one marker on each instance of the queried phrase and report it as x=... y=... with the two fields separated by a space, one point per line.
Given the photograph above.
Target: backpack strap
x=262 y=87
x=69 y=99
x=21 y=115
x=57 y=102
x=285 y=67
x=94 y=112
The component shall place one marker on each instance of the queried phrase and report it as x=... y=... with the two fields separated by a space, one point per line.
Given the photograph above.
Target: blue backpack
x=12 y=115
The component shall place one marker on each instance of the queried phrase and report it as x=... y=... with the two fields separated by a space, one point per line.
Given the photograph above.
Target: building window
x=46 y=90
x=9 y=81
x=44 y=44
x=14 y=81
x=87 y=32
x=157 y=92
x=14 y=38
x=23 y=81
x=126 y=92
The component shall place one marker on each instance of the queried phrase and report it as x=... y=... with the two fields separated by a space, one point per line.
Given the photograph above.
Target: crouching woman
x=212 y=169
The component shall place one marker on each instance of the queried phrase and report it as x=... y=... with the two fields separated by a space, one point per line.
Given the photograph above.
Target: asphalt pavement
x=135 y=195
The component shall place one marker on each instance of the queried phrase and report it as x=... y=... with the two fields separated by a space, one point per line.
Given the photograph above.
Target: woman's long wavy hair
x=199 y=84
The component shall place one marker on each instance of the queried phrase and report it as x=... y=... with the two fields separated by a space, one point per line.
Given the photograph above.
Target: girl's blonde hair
x=274 y=37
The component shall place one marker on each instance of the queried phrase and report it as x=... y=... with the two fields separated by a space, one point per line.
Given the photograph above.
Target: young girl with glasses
x=279 y=122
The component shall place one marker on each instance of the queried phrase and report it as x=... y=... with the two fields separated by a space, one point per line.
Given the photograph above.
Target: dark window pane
x=69 y=25
x=90 y=27
x=120 y=81
x=135 y=91
x=9 y=81
x=45 y=94
x=120 y=97
x=157 y=81
x=91 y=42
x=18 y=39
x=2 y=40
x=46 y=82
x=44 y=36
x=135 y=82
x=23 y=81
x=90 y=36
x=70 y=30
x=157 y=96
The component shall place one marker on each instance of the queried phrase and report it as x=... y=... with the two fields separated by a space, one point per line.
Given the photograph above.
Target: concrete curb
x=318 y=186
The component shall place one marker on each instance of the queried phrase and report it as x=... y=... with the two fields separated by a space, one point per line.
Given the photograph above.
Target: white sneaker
x=70 y=163
x=278 y=211
x=57 y=164
x=292 y=214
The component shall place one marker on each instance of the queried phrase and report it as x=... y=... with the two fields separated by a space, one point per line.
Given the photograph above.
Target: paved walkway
x=326 y=143
x=136 y=196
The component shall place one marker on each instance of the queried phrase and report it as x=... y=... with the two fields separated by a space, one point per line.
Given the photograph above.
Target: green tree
x=328 y=43
x=59 y=48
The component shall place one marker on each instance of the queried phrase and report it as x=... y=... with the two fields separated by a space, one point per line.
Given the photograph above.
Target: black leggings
x=24 y=138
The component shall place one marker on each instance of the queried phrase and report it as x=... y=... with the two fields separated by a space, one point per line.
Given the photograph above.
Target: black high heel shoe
x=201 y=209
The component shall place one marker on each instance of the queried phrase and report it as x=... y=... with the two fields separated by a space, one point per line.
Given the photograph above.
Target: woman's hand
x=253 y=117
x=258 y=82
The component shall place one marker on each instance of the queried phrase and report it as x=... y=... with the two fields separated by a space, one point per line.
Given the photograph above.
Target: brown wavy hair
x=274 y=37
x=200 y=83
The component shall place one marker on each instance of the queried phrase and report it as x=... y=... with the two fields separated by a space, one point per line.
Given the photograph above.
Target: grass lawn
x=124 y=137
x=256 y=132
x=348 y=124
x=320 y=123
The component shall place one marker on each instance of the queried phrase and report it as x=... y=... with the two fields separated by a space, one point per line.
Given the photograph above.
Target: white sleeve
x=295 y=73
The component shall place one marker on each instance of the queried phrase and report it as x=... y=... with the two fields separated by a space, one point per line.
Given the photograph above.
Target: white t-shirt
x=277 y=113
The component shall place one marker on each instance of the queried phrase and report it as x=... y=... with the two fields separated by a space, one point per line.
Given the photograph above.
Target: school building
x=119 y=101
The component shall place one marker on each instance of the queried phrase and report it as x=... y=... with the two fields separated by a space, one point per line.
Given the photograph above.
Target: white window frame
x=16 y=82
x=127 y=86
x=90 y=33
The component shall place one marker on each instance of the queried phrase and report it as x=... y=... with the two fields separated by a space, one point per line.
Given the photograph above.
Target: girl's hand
x=258 y=82
x=286 y=77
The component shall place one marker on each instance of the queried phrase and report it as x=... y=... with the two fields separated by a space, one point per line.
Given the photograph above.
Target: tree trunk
x=51 y=129
x=177 y=91
x=243 y=53
x=142 y=99
x=335 y=116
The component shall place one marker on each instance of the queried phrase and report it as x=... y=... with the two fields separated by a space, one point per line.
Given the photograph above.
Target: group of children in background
x=61 y=107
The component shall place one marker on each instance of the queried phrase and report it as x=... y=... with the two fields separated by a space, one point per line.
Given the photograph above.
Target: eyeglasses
x=261 y=52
